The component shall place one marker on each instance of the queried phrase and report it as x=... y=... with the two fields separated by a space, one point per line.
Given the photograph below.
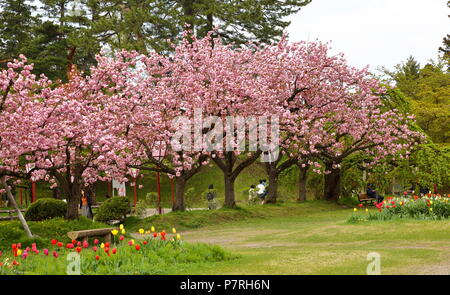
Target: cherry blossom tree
x=64 y=131
x=330 y=111
x=18 y=91
x=225 y=91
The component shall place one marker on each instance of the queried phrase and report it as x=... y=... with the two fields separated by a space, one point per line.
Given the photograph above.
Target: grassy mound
x=199 y=218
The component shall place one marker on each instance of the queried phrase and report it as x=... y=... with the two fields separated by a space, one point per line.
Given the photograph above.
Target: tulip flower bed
x=430 y=207
x=152 y=253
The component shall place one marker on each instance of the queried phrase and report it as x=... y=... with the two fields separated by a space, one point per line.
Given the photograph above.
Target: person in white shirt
x=261 y=190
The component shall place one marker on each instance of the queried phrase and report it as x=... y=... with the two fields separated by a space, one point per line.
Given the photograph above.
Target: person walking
x=252 y=195
x=211 y=197
x=261 y=190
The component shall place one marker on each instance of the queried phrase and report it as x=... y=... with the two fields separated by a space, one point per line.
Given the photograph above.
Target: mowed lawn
x=315 y=238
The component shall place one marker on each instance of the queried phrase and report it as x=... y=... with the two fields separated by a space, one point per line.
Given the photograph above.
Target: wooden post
x=158 y=189
x=21 y=199
x=172 y=190
x=12 y=200
x=109 y=188
x=135 y=192
x=33 y=192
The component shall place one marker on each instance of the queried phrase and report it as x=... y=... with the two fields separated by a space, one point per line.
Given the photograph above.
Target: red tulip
x=138 y=247
x=107 y=244
x=46 y=252
x=121 y=238
x=60 y=244
x=54 y=242
x=79 y=244
x=155 y=235
x=55 y=254
x=1 y=253
x=74 y=241
x=114 y=251
x=69 y=246
x=145 y=242
x=19 y=245
x=78 y=249
x=96 y=242
x=97 y=257
x=14 y=246
x=85 y=244
x=94 y=248
x=15 y=263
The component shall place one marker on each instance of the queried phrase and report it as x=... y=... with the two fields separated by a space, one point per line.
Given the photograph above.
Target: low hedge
x=46 y=208
x=115 y=208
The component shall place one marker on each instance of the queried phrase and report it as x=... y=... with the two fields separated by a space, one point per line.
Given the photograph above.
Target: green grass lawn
x=315 y=238
x=288 y=238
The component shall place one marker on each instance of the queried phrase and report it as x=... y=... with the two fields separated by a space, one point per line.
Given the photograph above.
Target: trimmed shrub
x=46 y=208
x=115 y=208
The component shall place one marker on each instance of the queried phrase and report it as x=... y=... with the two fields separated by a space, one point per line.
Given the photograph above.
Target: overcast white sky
x=375 y=32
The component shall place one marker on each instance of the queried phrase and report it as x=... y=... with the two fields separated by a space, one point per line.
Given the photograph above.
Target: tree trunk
x=230 y=201
x=12 y=200
x=73 y=203
x=180 y=185
x=272 y=193
x=73 y=193
x=302 y=183
x=332 y=186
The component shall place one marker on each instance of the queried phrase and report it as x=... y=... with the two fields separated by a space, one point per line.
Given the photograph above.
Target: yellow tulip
x=354 y=209
x=431 y=209
x=367 y=210
x=123 y=231
x=19 y=252
x=178 y=237
x=121 y=226
x=174 y=230
x=153 y=229
x=431 y=202
x=102 y=245
x=114 y=232
x=132 y=242
x=141 y=231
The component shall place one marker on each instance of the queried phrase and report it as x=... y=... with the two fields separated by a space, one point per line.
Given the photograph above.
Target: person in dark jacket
x=371 y=193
